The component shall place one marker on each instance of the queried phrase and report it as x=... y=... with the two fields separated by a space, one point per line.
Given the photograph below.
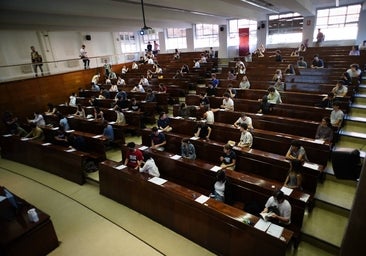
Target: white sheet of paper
x=319 y=141
x=176 y=157
x=305 y=197
x=157 y=180
x=262 y=225
x=46 y=144
x=215 y=168
x=70 y=131
x=111 y=122
x=2 y=198
x=275 y=230
x=24 y=139
x=70 y=150
x=7 y=135
x=143 y=148
x=97 y=136
x=194 y=138
x=311 y=165
x=286 y=191
x=120 y=167
x=202 y=199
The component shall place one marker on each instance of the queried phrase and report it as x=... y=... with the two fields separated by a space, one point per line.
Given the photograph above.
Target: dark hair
x=131 y=145
x=296 y=143
x=244 y=126
x=271 y=89
x=161 y=114
x=154 y=129
x=336 y=103
x=228 y=146
x=279 y=195
x=221 y=176
x=226 y=95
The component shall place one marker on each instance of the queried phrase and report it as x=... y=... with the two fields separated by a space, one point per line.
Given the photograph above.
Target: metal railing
x=26 y=70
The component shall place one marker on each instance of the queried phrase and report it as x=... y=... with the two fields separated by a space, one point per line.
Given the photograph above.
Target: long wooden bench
x=295 y=126
x=52 y=158
x=279 y=143
x=283 y=110
x=214 y=225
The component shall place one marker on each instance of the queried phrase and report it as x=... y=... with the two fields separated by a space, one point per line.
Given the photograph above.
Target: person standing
x=134 y=156
x=84 y=56
x=36 y=61
x=319 y=38
x=107 y=68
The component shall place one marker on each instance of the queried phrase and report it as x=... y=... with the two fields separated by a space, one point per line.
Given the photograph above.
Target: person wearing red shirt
x=134 y=156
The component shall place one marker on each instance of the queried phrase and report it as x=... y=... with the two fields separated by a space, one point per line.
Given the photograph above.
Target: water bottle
x=32 y=215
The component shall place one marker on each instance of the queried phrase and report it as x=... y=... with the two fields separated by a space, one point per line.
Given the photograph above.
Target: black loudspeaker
x=346 y=163
x=263 y=25
x=222 y=29
x=88 y=37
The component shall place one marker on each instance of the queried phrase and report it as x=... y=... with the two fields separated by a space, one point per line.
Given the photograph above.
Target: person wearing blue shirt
x=164 y=122
x=214 y=81
x=64 y=123
x=188 y=150
x=108 y=131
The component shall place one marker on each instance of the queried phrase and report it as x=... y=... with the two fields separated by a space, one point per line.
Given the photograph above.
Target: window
x=338 y=23
x=285 y=28
x=128 y=42
x=176 y=38
x=207 y=35
x=234 y=26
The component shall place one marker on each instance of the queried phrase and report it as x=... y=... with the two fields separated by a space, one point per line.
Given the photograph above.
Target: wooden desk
x=213 y=225
x=20 y=236
x=50 y=158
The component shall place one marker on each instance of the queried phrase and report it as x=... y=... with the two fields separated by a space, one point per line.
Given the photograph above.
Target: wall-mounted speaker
x=88 y=37
x=222 y=29
x=263 y=25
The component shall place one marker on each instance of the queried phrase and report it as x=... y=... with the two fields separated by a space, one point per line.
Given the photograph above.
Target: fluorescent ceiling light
x=259 y=6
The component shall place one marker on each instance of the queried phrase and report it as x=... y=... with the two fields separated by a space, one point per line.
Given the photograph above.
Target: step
x=354 y=125
x=351 y=142
x=360 y=99
x=357 y=111
x=326 y=222
x=357 y=135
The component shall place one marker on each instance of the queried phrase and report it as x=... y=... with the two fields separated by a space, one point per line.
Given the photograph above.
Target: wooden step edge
x=355 y=119
x=358 y=135
x=360 y=106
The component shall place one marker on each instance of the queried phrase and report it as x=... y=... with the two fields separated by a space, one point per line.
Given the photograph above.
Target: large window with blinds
x=338 y=23
x=285 y=28
x=176 y=38
x=206 y=35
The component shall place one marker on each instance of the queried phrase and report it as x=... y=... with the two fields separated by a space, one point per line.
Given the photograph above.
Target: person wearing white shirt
x=246 y=138
x=150 y=60
x=144 y=81
x=196 y=64
x=244 y=119
x=84 y=56
x=227 y=102
x=38 y=119
x=134 y=65
x=72 y=101
x=150 y=166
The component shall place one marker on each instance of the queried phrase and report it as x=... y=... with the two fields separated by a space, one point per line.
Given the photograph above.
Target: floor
x=87 y=223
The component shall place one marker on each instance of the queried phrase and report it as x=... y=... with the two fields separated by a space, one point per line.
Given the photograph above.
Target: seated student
x=157 y=139
x=196 y=64
x=11 y=124
x=290 y=70
x=324 y=130
x=327 y=101
x=204 y=101
x=95 y=87
x=260 y=51
x=242 y=69
x=51 y=110
x=108 y=132
x=231 y=91
x=228 y=158
x=36 y=133
x=38 y=119
x=134 y=65
x=227 y=102
x=231 y=75
x=277 y=56
x=301 y=63
x=76 y=142
x=203 y=131
x=354 y=71
x=134 y=156
x=61 y=137
x=246 y=138
x=113 y=88
x=296 y=151
x=80 y=111
x=244 y=119
x=354 y=51
x=211 y=91
x=244 y=83
x=294 y=176
x=273 y=97
x=120 y=117
x=134 y=105
x=340 y=90
x=184 y=69
x=149 y=166
x=317 y=62
x=346 y=79
x=221 y=189
x=150 y=96
x=122 y=102
x=98 y=114
x=112 y=75
x=336 y=116
x=214 y=81
x=209 y=116
x=164 y=122
x=72 y=100
x=295 y=53
x=279 y=209
x=63 y=122
x=124 y=70
x=187 y=149
x=138 y=88
x=162 y=88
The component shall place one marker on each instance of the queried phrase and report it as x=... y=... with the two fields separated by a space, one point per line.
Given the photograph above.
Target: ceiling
x=126 y=15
